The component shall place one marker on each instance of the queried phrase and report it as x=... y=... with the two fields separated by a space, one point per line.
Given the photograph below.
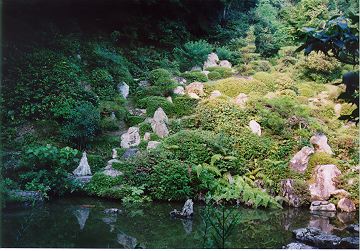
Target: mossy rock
x=319 y=158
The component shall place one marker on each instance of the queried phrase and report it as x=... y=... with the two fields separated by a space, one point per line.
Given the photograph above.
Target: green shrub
x=152 y=103
x=192 y=76
x=160 y=77
x=214 y=75
x=109 y=124
x=225 y=54
x=260 y=65
x=184 y=105
x=101 y=183
x=96 y=162
x=132 y=120
x=319 y=159
x=193 y=53
x=144 y=127
x=170 y=180
x=223 y=71
x=234 y=86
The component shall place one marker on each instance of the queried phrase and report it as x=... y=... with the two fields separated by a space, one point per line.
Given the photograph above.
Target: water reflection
x=126 y=241
x=82 y=214
x=187 y=224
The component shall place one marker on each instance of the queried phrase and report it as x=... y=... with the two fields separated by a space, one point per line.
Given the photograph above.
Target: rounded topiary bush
x=192 y=76
x=152 y=103
x=160 y=76
x=214 y=75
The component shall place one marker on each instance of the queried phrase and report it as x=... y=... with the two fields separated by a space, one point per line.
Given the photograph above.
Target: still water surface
x=81 y=223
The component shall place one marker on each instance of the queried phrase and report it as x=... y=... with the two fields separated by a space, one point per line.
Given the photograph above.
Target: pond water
x=81 y=223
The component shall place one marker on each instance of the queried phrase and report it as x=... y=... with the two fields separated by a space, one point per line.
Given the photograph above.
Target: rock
x=289 y=193
x=123 y=89
x=110 y=171
x=341 y=192
x=147 y=136
x=186 y=212
x=144 y=83
x=211 y=61
x=349 y=242
x=130 y=152
x=169 y=99
x=215 y=94
x=130 y=138
x=271 y=95
x=112 y=116
x=322 y=206
x=255 y=127
x=314 y=237
x=297 y=245
x=346 y=218
x=354 y=228
x=241 y=100
x=179 y=90
x=114 y=153
x=152 y=145
x=83 y=169
x=112 y=211
x=337 y=110
x=195 y=87
x=26 y=195
x=83 y=179
x=193 y=95
x=346 y=205
x=82 y=214
x=225 y=63
x=300 y=160
x=205 y=73
x=322 y=223
x=180 y=80
x=137 y=112
x=324 y=214
x=196 y=68
x=325 y=182
x=319 y=141
x=158 y=123
x=126 y=241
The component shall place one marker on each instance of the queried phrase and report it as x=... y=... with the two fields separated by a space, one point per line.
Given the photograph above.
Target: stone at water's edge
x=26 y=195
x=186 y=212
x=288 y=192
x=301 y=159
x=319 y=141
x=322 y=206
x=83 y=169
x=255 y=127
x=123 y=89
x=325 y=182
x=130 y=138
x=346 y=205
x=297 y=245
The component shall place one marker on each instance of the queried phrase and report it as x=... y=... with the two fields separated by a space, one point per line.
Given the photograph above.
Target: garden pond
x=80 y=222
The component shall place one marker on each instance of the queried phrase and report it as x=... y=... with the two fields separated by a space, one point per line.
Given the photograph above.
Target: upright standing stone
x=195 y=87
x=123 y=88
x=83 y=169
x=158 y=123
x=301 y=159
x=319 y=141
x=211 y=61
x=255 y=127
x=325 y=182
x=114 y=153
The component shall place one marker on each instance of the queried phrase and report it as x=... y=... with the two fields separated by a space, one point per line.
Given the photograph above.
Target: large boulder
x=130 y=138
x=158 y=123
x=300 y=160
x=130 y=153
x=211 y=61
x=319 y=141
x=346 y=205
x=83 y=168
x=123 y=89
x=241 y=99
x=225 y=63
x=255 y=127
x=195 y=87
x=179 y=90
x=315 y=237
x=325 y=182
x=322 y=206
